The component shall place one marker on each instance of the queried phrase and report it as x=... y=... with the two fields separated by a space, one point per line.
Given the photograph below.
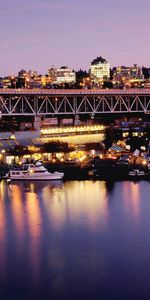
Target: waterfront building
x=147 y=84
x=128 y=74
x=27 y=78
x=65 y=75
x=52 y=74
x=100 y=70
x=6 y=82
x=38 y=81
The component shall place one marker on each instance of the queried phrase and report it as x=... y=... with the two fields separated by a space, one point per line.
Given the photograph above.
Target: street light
x=26 y=82
x=13 y=81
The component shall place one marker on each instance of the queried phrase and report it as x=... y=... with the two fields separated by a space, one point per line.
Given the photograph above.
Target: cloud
x=34 y=7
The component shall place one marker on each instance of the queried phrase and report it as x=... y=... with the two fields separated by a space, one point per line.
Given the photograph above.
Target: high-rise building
x=100 y=69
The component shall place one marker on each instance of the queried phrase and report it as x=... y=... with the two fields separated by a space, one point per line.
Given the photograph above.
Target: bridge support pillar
x=37 y=123
x=76 y=120
x=60 y=122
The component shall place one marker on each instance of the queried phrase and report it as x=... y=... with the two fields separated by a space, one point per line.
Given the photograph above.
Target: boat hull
x=137 y=173
x=39 y=178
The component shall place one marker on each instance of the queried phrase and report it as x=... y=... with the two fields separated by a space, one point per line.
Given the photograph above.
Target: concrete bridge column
x=37 y=123
x=60 y=122
x=76 y=120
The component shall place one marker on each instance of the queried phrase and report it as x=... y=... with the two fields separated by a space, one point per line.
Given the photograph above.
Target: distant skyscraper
x=100 y=69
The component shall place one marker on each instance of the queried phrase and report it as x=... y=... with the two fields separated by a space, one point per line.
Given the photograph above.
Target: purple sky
x=36 y=34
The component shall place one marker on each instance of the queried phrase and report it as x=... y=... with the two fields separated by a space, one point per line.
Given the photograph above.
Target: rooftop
x=98 y=60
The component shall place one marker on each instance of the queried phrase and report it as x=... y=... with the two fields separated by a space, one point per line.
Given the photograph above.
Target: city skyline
x=39 y=34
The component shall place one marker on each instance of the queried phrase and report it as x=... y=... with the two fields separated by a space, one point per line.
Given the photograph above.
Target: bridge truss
x=73 y=102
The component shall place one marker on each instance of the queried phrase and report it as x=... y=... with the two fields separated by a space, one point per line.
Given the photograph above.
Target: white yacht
x=34 y=171
x=136 y=173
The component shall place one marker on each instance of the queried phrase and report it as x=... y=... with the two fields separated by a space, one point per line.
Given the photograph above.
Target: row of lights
x=72 y=129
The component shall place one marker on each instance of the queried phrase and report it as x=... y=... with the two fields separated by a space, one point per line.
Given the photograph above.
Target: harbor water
x=75 y=240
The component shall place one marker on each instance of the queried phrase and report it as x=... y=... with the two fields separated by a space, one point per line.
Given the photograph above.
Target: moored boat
x=137 y=173
x=33 y=171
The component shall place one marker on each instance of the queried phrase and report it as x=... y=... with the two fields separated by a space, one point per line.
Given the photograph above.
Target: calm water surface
x=75 y=240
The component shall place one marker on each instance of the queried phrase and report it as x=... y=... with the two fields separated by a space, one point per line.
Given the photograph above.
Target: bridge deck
x=73 y=102
x=74 y=92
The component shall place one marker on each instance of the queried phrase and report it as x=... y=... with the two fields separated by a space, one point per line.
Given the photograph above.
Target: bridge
x=55 y=102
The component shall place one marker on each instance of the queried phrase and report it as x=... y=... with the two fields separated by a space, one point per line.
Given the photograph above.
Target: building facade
x=122 y=74
x=52 y=74
x=100 y=70
x=65 y=75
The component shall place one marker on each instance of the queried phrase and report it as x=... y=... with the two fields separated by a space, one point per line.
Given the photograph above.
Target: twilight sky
x=36 y=34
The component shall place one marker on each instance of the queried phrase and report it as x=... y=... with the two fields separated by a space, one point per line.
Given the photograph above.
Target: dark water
x=75 y=240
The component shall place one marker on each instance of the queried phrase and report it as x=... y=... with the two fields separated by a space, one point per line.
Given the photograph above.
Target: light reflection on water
x=72 y=203
x=67 y=238
x=132 y=199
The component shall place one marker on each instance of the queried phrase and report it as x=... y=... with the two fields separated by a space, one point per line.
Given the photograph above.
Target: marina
x=102 y=167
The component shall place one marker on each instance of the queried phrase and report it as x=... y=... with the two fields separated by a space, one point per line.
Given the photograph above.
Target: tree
x=19 y=150
x=136 y=142
x=108 y=85
x=109 y=137
x=146 y=72
x=94 y=146
x=80 y=75
x=55 y=147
